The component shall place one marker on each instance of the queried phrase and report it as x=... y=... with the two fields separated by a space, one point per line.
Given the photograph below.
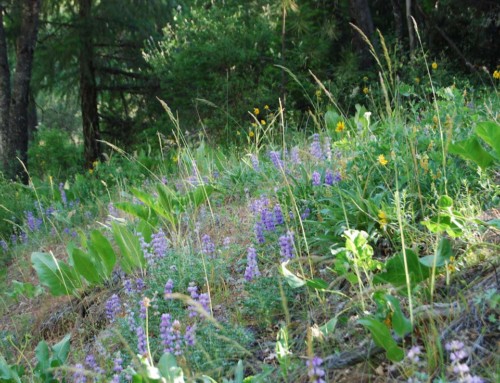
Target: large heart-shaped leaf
x=382 y=337
x=472 y=150
x=104 y=251
x=86 y=266
x=489 y=131
x=395 y=273
x=60 y=278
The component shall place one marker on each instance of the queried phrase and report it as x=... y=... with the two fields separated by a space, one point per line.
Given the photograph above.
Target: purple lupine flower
x=255 y=162
x=252 y=270
x=79 y=374
x=145 y=247
x=226 y=242
x=278 y=214
x=193 y=291
x=259 y=232
x=327 y=148
x=128 y=287
x=328 y=177
x=166 y=336
x=112 y=210
x=177 y=337
x=141 y=340
x=316 y=179
x=159 y=244
x=32 y=222
x=286 y=246
x=113 y=307
x=139 y=284
x=13 y=239
x=204 y=301
x=315 y=149
x=207 y=246
x=130 y=318
x=460 y=368
x=90 y=362
x=164 y=180
x=267 y=219
x=454 y=345
x=169 y=287
x=457 y=356
x=276 y=159
x=190 y=335
x=24 y=237
x=413 y=354
x=4 y=245
x=63 y=194
x=315 y=372
x=295 y=155
x=306 y=213
x=474 y=379
x=118 y=365
x=258 y=204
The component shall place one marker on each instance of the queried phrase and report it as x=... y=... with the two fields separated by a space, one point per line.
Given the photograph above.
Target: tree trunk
x=19 y=102
x=88 y=89
x=398 y=21
x=411 y=29
x=362 y=18
x=4 y=95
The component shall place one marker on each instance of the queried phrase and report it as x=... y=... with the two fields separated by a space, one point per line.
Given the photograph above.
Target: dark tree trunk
x=4 y=95
x=411 y=29
x=398 y=21
x=88 y=89
x=362 y=18
x=19 y=102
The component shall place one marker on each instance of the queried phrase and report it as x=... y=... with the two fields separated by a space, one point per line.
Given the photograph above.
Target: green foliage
x=60 y=278
x=382 y=337
x=53 y=152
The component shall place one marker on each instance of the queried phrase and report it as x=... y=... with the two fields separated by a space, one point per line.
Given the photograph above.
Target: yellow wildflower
x=251 y=134
x=266 y=107
x=434 y=65
x=340 y=126
x=175 y=159
x=318 y=93
x=366 y=90
x=263 y=122
x=238 y=133
x=365 y=79
x=254 y=124
x=382 y=218
x=496 y=75
x=256 y=111
x=382 y=161
x=417 y=80
x=95 y=163
x=91 y=171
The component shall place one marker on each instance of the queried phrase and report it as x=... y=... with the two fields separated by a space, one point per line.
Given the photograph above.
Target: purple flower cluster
x=159 y=244
x=63 y=194
x=331 y=178
x=171 y=336
x=327 y=149
x=204 y=301
x=286 y=246
x=315 y=148
x=148 y=255
x=267 y=218
x=458 y=355
x=32 y=222
x=316 y=179
x=141 y=340
x=207 y=246
x=259 y=232
x=255 y=162
x=275 y=158
x=113 y=307
x=315 y=372
x=117 y=369
x=4 y=246
x=278 y=214
x=79 y=374
x=252 y=270
x=169 y=288
x=193 y=291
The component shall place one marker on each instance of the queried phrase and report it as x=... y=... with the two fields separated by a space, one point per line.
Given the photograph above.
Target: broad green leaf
x=169 y=369
x=140 y=211
x=239 y=372
x=56 y=275
x=168 y=204
x=86 y=266
x=400 y=323
x=292 y=279
x=382 y=337
x=317 y=283
x=199 y=195
x=329 y=327
x=130 y=248
x=472 y=150
x=489 y=131
x=395 y=271
x=331 y=120
x=104 y=251
x=61 y=349
x=442 y=256
x=42 y=352
x=445 y=202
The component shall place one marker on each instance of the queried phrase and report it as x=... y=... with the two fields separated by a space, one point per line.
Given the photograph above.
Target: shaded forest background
x=76 y=72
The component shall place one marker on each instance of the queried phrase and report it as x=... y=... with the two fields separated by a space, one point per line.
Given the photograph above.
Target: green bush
x=55 y=153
